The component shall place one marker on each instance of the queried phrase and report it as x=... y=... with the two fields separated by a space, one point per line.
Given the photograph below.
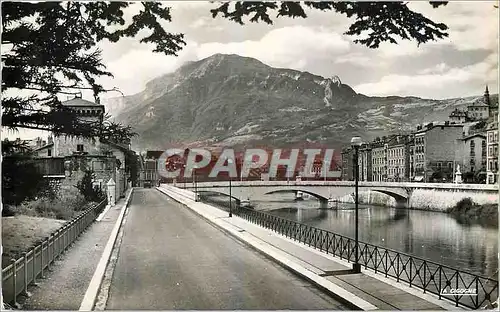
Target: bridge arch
x=400 y=197
x=236 y=199
x=316 y=195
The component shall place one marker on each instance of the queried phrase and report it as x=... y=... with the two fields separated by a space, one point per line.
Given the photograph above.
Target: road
x=171 y=259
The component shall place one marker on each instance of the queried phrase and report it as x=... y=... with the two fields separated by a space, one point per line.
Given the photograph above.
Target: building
x=347 y=164
x=437 y=151
x=473 y=151
x=458 y=116
x=480 y=109
x=379 y=159
x=71 y=156
x=365 y=162
x=411 y=159
x=398 y=158
x=492 y=153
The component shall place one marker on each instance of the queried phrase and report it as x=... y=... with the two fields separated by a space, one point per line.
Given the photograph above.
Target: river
x=430 y=235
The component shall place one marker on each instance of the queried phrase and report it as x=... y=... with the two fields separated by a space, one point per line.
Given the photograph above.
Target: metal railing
x=25 y=271
x=416 y=272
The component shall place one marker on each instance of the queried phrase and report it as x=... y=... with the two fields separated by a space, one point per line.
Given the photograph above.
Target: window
x=450 y=165
x=49 y=152
x=79 y=147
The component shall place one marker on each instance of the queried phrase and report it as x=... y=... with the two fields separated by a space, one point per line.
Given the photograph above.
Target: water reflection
x=431 y=235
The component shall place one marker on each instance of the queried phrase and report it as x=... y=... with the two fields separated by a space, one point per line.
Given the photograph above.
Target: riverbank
x=468 y=212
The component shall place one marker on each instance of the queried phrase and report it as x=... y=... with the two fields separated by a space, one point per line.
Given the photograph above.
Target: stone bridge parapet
x=326 y=191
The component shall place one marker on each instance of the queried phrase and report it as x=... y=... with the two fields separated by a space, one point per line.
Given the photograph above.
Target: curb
x=354 y=302
x=93 y=289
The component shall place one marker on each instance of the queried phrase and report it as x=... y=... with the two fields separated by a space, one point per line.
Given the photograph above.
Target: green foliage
x=90 y=193
x=132 y=166
x=50 y=49
x=21 y=179
x=378 y=21
x=64 y=206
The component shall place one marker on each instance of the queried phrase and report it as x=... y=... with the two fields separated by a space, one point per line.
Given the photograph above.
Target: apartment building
x=365 y=162
x=473 y=153
x=398 y=158
x=347 y=164
x=492 y=153
x=437 y=151
x=379 y=160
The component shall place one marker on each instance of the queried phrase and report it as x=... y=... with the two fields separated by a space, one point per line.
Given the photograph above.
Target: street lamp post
x=356 y=143
x=183 y=175
x=230 y=161
x=195 y=185
x=327 y=164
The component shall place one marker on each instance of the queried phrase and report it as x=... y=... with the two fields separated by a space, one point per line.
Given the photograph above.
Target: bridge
x=328 y=191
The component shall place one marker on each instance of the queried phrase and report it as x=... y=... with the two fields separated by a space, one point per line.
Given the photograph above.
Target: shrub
x=90 y=192
x=463 y=205
x=63 y=206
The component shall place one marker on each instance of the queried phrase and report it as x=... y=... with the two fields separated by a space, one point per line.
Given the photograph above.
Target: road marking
x=93 y=289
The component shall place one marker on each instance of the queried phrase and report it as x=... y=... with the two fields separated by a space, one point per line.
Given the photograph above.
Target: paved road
x=170 y=259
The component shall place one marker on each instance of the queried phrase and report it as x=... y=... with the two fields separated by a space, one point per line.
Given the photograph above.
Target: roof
x=154 y=154
x=478 y=103
x=458 y=113
x=42 y=147
x=80 y=102
x=474 y=135
x=425 y=128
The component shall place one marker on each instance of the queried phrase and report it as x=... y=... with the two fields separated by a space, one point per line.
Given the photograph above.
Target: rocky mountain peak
x=226 y=99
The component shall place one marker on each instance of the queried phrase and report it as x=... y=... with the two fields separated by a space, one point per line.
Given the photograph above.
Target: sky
x=458 y=66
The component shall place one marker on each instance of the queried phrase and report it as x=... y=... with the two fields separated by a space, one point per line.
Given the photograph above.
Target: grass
x=66 y=205
x=33 y=221
x=19 y=233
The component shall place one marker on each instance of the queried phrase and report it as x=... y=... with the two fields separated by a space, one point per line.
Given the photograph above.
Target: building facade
x=437 y=151
x=94 y=153
x=347 y=164
x=379 y=160
x=458 y=116
x=365 y=163
x=474 y=153
x=398 y=158
x=492 y=153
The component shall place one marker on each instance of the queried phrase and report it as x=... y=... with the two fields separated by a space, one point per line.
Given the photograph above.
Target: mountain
x=234 y=100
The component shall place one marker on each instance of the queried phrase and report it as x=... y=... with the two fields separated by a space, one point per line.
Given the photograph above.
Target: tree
x=50 y=48
x=88 y=190
x=21 y=179
x=380 y=21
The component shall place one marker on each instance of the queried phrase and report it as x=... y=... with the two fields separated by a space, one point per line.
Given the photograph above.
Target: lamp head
x=356 y=141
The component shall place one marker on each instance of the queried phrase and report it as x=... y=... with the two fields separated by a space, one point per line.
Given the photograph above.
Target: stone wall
x=64 y=146
x=75 y=167
x=438 y=200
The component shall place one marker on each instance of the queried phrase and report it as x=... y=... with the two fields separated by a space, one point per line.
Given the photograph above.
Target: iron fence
x=429 y=276
x=25 y=271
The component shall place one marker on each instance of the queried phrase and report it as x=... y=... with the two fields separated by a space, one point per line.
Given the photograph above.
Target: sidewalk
x=367 y=290
x=65 y=284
